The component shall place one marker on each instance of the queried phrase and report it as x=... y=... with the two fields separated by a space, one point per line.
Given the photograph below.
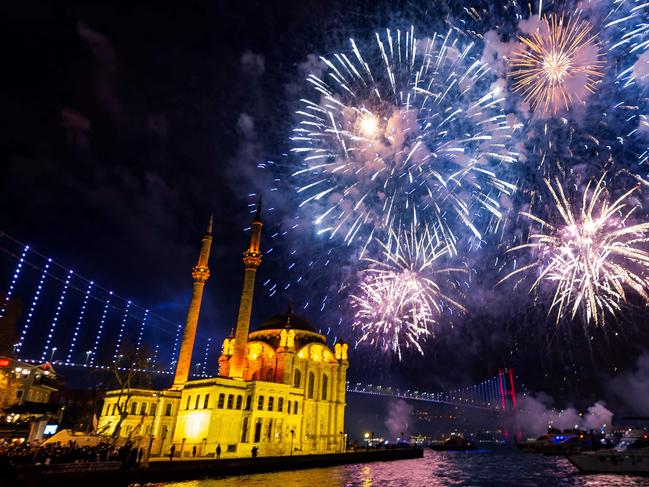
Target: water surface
x=490 y=468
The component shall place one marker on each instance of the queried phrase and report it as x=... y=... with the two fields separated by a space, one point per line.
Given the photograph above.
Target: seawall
x=110 y=473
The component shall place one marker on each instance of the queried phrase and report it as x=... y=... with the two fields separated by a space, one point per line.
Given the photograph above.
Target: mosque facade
x=280 y=387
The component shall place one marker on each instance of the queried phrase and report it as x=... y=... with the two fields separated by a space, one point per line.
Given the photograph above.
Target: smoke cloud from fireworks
x=399 y=418
x=536 y=415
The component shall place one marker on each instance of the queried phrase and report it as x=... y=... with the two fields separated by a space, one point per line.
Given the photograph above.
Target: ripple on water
x=501 y=467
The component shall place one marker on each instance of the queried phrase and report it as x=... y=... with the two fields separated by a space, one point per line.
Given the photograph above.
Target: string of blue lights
x=59 y=296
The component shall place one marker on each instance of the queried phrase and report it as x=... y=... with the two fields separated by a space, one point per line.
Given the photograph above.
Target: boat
x=566 y=444
x=529 y=446
x=454 y=443
x=563 y=444
x=629 y=456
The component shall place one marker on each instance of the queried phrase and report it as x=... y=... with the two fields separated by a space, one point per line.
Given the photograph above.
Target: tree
x=8 y=389
x=127 y=373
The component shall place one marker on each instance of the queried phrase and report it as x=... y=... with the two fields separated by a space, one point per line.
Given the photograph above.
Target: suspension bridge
x=60 y=316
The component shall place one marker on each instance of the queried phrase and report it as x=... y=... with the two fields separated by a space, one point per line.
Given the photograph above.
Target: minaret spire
x=200 y=274
x=251 y=261
x=258 y=212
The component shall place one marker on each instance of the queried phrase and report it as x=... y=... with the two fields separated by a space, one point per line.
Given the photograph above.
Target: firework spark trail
x=405 y=124
x=627 y=22
x=557 y=65
x=592 y=257
x=399 y=299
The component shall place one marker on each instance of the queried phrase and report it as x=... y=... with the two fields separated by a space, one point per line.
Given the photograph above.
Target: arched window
x=198 y=401
x=271 y=403
x=189 y=398
x=133 y=408
x=221 y=401
x=206 y=403
x=154 y=406
x=248 y=403
x=260 y=403
x=325 y=386
x=298 y=379
x=311 y=385
x=230 y=401
x=280 y=404
x=114 y=409
x=168 y=410
x=239 y=399
x=296 y=407
x=143 y=408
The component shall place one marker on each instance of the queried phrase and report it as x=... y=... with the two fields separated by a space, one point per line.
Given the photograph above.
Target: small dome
x=283 y=320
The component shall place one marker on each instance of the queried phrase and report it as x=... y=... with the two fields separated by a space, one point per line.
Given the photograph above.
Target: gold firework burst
x=558 y=64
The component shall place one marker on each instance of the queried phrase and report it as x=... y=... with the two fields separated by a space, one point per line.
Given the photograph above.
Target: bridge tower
x=508 y=402
x=507 y=389
x=251 y=261
x=200 y=274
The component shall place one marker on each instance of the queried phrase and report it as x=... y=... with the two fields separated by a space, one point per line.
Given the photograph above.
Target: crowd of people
x=13 y=454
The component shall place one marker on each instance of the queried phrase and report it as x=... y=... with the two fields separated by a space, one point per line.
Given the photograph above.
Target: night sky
x=126 y=125
x=125 y=128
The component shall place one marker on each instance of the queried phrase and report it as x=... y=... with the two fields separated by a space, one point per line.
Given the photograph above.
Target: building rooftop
x=286 y=320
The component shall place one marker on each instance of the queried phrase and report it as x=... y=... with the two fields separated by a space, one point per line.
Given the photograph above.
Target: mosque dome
x=287 y=320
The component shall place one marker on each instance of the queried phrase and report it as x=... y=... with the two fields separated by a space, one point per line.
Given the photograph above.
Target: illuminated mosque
x=279 y=388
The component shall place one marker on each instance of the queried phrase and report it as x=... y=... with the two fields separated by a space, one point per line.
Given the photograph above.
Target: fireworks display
x=591 y=256
x=403 y=124
x=455 y=135
x=458 y=183
x=558 y=64
x=400 y=298
x=427 y=132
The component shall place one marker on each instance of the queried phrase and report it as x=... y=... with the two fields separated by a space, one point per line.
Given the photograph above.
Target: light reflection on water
x=496 y=468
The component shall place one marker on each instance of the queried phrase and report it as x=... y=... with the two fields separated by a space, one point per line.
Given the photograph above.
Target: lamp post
x=369 y=437
x=54 y=349
x=88 y=353
x=292 y=438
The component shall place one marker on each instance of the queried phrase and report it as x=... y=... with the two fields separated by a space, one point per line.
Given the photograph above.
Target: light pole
x=54 y=349
x=292 y=438
x=369 y=437
x=88 y=353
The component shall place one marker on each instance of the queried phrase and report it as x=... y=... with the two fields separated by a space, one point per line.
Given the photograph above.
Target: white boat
x=629 y=456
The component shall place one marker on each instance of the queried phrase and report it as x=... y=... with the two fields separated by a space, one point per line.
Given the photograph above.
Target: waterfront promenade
x=110 y=473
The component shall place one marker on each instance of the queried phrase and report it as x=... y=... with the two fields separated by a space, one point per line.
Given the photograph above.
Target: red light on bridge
x=4 y=362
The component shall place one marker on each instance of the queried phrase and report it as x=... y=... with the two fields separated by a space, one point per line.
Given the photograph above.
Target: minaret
x=200 y=274
x=251 y=260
